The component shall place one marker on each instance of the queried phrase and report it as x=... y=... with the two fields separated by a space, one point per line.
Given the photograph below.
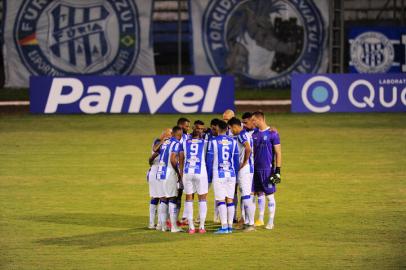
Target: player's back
x=195 y=155
x=264 y=141
x=168 y=147
x=224 y=153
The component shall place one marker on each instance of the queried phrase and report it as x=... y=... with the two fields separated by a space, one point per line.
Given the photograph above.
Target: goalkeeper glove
x=276 y=177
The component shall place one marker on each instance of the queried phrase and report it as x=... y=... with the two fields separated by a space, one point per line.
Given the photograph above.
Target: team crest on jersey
x=262 y=42
x=372 y=52
x=62 y=37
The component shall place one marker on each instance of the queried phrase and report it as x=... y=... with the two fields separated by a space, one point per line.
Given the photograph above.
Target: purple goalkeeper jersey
x=264 y=142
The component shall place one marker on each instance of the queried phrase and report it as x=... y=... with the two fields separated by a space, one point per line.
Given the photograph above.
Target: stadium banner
x=377 y=49
x=131 y=94
x=68 y=38
x=348 y=93
x=260 y=42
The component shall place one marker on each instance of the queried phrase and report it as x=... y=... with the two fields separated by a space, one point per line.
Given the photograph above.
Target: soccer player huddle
x=231 y=155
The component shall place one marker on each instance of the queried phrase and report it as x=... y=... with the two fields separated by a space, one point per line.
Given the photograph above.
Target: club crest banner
x=75 y=37
x=261 y=42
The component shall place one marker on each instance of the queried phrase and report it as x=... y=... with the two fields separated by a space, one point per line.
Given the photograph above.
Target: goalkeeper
x=267 y=151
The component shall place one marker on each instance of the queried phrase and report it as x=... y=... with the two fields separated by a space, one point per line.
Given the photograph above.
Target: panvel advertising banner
x=64 y=38
x=260 y=42
x=377 y=49
x=131 y=94
x=349 y=93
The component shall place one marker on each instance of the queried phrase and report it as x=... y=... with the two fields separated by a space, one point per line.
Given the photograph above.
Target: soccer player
x=184 y=124
x=154 y=184
x=245 y=174
x=211 y=133
x=192 y=167
x=267 y=151
x=222 y=167
x=227 y=115
x=247 y=122
x=169 y=176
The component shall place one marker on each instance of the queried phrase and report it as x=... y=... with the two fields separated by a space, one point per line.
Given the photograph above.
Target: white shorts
x=196 y=183
x=224 y=187
x=155 y=186
x=245 y=179
x=169 y=186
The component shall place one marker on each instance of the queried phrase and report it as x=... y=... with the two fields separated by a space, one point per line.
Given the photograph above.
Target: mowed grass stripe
x=73 y=195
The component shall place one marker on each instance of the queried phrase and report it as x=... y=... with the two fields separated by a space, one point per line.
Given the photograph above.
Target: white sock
x=235 y=201
x=230 y=214
x=243 y=216
x=189 y=211
x=185 y=213
x=247 y=205
x=261 y=206
x=173 y=213
x=202 y=213
x=152 y=211
x=223 y=214
x=216 y=210
x=251 y=210
x=271 y=207
x=163 y=213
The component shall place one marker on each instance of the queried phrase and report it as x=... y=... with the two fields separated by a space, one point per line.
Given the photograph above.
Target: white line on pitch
x=263 y=102
x=14 y=103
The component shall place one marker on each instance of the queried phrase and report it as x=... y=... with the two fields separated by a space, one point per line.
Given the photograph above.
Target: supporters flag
x=261 y=42
x=65 y=38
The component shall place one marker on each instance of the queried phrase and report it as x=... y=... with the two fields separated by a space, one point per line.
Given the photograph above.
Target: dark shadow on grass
x=134 y=230
x=114 y=238
x=93 y=220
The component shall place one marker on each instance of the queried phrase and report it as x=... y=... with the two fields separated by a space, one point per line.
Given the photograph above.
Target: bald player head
x=228 y=114
x=166 y=134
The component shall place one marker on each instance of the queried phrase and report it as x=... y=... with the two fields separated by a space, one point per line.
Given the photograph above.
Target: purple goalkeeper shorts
x=261 y=182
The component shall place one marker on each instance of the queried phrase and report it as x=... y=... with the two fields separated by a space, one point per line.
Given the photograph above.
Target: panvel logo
x=263 y=42
x=131 y=94
x=349 y=93
x=59 y=38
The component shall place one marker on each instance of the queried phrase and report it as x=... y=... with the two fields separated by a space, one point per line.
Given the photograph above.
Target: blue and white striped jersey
x=168 y=147
x=242 y=138
x=222 y=157
x=185 y=136
x=195 y=155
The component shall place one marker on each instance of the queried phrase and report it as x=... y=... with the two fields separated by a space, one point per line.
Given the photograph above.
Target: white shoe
x=176 y=229
x=158 y=227
x=269 y=226
x=151 y=226
x=164 y=228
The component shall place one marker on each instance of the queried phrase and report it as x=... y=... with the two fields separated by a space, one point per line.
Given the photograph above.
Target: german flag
x=29 y=40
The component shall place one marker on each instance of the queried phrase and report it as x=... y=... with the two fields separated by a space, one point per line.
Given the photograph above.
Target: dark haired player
x=222 y=167
x=245 y=174
x=192 y=167
x=169 y=174
x=267 y=151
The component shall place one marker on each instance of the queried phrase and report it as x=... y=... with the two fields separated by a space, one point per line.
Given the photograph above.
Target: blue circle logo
x=59 y=38
x=263 y=42
x=320 y=94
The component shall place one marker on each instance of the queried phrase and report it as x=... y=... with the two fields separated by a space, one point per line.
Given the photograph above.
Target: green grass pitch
x=73 y=195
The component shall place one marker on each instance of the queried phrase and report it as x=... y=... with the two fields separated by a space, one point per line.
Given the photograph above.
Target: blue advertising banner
x=131 y=94
x=349 y=93
x=377 y=49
